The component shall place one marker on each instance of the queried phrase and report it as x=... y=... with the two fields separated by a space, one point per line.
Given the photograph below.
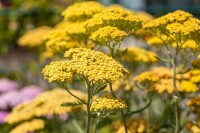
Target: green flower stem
x=140 y=110
x=176 y=97
x=74 y=95
x=77 y=126
x=88 y=109
x=176 y=94
x=148 y=120
x=122 y=113
x=97 y=123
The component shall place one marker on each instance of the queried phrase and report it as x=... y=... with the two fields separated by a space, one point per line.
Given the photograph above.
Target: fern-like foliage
x=71 y=104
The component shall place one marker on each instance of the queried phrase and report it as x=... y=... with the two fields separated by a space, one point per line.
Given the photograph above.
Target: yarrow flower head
x=58 y=71
x=94 y=65
x=179 y=26
x=115 y=17
x=136 y=54
x=160 y=81
x=29 y=126
x=57 y=40
x=107 y=104
x=108 y=34
x=82 y=11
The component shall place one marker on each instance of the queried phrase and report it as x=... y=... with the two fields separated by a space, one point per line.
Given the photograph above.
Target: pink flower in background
x=13 y=98
x=29 y=92
x=7 y=85
x=3 y=115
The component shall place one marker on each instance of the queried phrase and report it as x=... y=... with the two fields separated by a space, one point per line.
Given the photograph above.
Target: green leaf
x=71 y=104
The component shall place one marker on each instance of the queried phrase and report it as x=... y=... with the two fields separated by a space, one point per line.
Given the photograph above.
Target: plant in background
x=180 y=27
x=45 y=106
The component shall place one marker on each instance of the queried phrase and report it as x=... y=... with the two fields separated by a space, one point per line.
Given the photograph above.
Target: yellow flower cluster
x=76 y=30
x=154 y=75
x=194 y=103
x=139 y=55
x=58 y=41
x=115 y=17
x=120 y=83
x=179 y=25
x=34 y=37
x=192 y=76
x=108 y=34
x=177 y=16
x=135 y=125
x=188 y=86
x=82 y=11
x=160 y=81
x=57 y=71
x=46 y=103
x=193 y=127
x=94 y=65
x=29 y=126
x=106 y=104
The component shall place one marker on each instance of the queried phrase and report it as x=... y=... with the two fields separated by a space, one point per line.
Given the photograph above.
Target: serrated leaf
x=71 y=104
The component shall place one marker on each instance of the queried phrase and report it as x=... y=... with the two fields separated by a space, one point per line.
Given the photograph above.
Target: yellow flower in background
x=94 y=65
x=108 y=34
x=194 y=104
x=154 y=75
x=192 y=76
x=34 y=37
x=193 y=126
x=160 y=81
x=29 y=126
x=46 y=103
x=135 y=125
x=165 y=85
x=58 y=41
x=188 y=86
x=154 y=41
x=76 y=30
x=107 y=104
x=58 y=71
x=82 y=11
x=136 y=54
x=121 y=83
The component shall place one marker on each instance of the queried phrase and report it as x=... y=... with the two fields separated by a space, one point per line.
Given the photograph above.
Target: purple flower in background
x=7 y=85
x=29 y=92
x=13 y=98
x=3 y=115
x=9 y=100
